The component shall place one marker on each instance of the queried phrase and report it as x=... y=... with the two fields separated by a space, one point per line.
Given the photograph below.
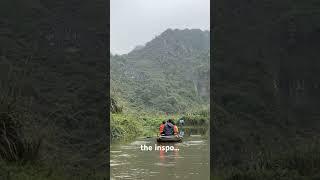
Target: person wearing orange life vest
x=175 y=129
x=161 y=129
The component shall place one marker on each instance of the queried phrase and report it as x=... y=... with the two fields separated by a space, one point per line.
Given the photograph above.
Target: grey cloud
x=135 y=22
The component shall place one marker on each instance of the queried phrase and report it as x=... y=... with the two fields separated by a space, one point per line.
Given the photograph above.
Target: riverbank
x=127 y=126
x=18 y=171
x=37 y=171
x=299 y=163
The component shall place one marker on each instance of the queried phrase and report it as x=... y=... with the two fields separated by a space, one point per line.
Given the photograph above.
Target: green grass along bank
x=298 y=163
x=127 y=126
x=39 y=171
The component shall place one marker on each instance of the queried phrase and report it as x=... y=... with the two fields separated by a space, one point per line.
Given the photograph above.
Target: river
x=189 y=161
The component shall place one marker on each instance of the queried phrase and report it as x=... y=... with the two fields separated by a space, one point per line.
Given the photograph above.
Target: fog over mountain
x=135 y=22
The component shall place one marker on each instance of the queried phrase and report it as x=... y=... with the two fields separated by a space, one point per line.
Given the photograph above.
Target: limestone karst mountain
x=170 y=73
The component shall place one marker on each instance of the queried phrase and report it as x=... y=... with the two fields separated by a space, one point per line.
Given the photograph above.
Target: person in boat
x=161 y=129
x=175 y=129
x=181 y=122
x=169 y=128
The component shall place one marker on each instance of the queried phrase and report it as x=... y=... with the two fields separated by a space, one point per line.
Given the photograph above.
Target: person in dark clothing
x=169 y=128
x=181 y=122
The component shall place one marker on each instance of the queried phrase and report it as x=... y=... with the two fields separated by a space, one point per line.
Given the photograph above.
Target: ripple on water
x=128 y=147
x=154 y=172
x=195 y=135
x=195 y=142
x=124 y=177
x=124 y=155
x=139 y=142
x=117 y=163
x=165 y=164
x=115 y=151
x=192 y=143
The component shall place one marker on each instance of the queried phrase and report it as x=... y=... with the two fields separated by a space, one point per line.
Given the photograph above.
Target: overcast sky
x=135 y=22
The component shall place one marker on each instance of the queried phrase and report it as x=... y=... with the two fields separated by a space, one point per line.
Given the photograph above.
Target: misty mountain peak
x=177 y=41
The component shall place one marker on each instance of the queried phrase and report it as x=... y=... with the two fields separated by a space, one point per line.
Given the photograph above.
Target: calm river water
x=191 y=161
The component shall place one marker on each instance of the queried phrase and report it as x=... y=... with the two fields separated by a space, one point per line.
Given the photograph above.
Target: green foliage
x=114 y=107
x=258 y=104
x=16 y=145
x=299 y=164
x=17 y=171
x=168 y=77
x=197 y=119
x=124 y=127
x=62 y=79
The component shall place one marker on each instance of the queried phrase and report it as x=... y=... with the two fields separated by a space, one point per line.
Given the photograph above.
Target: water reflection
x=191 y=161
x=166 y=156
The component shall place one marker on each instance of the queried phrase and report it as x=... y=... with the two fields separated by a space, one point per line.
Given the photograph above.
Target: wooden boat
x=169 y=139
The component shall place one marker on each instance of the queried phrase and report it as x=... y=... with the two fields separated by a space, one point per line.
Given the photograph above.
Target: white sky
x=135 y=22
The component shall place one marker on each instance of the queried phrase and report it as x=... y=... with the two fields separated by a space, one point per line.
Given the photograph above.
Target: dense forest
x=53 y=65
x=266 y=90
x=169 y=74
x=53 y=58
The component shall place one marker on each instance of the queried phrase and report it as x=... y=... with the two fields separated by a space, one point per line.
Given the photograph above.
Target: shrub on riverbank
x=129 y=124
x=125 y=126
x=296 y=164
x=33 y=146
x=195 y=120
x=36 y=171
x=20 y=172
x=198 y=118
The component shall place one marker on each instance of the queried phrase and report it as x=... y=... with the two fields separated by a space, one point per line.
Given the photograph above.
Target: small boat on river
x=169 y=139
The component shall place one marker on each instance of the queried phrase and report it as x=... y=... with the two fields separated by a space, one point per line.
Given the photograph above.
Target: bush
x=196 y=120
x=114 y=106
x=15 y=144
x=299 y=164
x=10 y=142
x=124 y=126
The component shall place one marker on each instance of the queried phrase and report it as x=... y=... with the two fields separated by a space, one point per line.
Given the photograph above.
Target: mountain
x=266 y=81
x=169 y=74
x=138 y=48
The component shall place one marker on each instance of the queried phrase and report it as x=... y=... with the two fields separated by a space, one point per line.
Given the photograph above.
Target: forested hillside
x=266 y=89
x=169 y=74
x=53 y=65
